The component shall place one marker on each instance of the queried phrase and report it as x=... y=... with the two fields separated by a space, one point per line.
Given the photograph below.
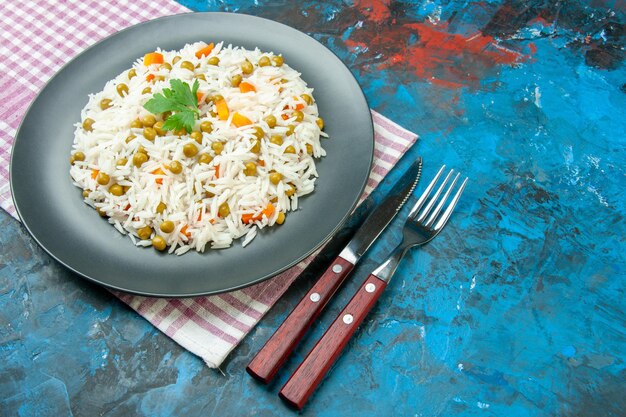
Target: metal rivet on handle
x=370 y=287
x=348 y=318
x=315 y=297
x=337 y=268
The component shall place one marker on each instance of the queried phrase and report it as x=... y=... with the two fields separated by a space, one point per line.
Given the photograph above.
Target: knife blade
x=380 y=218
x=279 y=346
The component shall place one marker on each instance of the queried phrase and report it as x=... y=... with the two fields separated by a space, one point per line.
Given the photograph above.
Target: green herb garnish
x=181 y=100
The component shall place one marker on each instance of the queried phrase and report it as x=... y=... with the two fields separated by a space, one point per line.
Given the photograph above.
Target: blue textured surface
x=517 y=309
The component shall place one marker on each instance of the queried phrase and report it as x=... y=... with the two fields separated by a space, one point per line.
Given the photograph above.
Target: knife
x=277 y=349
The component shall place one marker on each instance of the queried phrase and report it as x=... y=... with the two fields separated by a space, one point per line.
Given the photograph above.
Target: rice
x=210 y=204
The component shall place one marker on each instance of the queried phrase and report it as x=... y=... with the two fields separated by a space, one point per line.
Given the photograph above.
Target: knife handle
x=277 y=349
x=319 y=360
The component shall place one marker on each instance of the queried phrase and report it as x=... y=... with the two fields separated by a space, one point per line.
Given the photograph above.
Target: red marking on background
x=375 y=10
x=353 y=46
x=458 y=110
x=539 y=20
x=445 y=83
x=533 y=48
x=446 y=59
x=430 y=52
x=436 y=49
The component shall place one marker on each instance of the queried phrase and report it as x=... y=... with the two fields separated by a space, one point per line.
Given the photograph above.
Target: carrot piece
x=222 y=109
x=94 y=173
x=269 y=210
x=245 y=87
x=200 y=218
x=127 y=207
x=199 y=96
x=150 y=77
x=241 y=120
x=205 y=51
x=158 y=171
x=217 y=171
x=261 y=162
x=184 y=231
x=247 y=218
x=299 y=105
x=152 y=58
x=285 y=116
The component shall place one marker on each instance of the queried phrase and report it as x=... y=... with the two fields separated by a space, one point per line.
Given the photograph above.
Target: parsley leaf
x=181 y=100
x=160 y=104
x=181 y=119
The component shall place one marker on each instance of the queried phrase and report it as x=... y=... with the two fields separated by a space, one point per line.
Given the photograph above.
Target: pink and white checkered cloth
x=38 y=38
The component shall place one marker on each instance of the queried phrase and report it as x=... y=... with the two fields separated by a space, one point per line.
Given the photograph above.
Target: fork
x=424 y=222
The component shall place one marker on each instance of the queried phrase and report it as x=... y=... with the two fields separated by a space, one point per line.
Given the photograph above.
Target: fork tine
x=434 y=198
x=424 y=196
x=446 y=214
x=435 y=213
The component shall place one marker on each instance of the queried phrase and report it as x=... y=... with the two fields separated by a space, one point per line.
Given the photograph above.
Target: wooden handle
x=311 y=371
x=277 y=349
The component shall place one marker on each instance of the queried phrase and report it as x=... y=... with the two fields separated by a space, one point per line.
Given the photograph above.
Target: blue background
x=517 y=309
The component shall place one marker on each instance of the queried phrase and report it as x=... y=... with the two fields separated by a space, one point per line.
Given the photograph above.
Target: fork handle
x=311 y=371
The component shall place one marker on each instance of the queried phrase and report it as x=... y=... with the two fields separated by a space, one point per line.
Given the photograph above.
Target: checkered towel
x=38 y=38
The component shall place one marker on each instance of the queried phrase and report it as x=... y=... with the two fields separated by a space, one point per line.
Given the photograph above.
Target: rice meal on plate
x=198 y=147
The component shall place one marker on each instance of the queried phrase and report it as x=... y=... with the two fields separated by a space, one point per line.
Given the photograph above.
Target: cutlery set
x=426 y=219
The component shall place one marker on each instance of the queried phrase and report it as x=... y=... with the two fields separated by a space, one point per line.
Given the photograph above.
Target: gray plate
x=52 y=209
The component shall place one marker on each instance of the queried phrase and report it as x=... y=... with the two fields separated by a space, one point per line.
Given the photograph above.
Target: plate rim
x=201 y=293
